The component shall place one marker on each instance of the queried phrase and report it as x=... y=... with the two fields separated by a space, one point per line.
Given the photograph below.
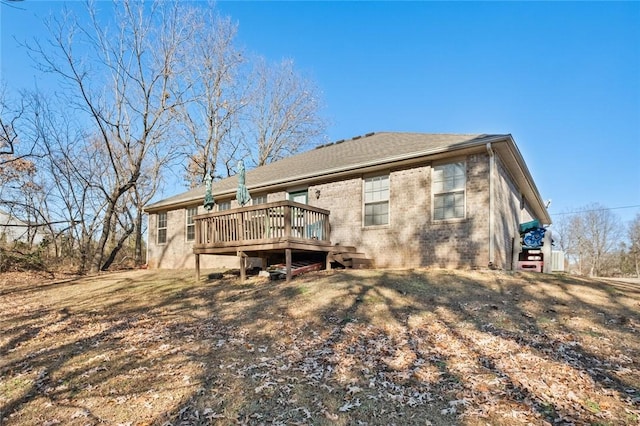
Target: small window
x=162 y=228
x=376 y=201
x=260 y=199
x=299 y=196
x=448 y=188
x=225 y=205
x=191 y=225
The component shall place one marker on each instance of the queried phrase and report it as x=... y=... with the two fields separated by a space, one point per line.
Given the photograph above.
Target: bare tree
x=283 y=117
x=11 y=3
x=241 y=106
x=8 y=134
x=71 y=170
x=633 y=233
x=594 y=233
x=566 y=238
x=217 y=91
x=125 y=83
x=13 y=161
x=138 y=89
x=18 y=187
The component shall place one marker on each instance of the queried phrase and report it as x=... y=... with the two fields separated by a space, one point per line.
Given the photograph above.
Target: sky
x=562 y=77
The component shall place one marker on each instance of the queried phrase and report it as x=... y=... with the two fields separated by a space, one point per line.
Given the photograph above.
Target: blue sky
x=562 y=77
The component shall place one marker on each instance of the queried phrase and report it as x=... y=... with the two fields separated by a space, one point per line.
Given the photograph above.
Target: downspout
x=492 y=165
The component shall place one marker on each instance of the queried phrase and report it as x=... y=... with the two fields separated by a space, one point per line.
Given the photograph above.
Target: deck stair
x=349 y=257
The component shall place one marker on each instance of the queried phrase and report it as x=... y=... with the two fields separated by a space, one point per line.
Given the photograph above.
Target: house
x=390 y=200
x=13 y=229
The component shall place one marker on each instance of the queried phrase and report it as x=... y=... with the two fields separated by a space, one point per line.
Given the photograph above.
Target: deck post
x=287 y=256
x=242 y=260
x=197 y=268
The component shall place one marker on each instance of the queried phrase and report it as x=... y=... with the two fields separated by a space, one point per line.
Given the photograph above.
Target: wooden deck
x=255 y=230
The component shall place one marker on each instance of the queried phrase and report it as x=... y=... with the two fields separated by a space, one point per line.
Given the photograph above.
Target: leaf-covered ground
x=328 y=348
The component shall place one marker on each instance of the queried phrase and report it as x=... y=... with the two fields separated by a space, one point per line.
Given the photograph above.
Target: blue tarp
x=533 y=238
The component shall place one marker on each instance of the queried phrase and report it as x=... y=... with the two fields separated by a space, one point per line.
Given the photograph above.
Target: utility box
x=557 y=261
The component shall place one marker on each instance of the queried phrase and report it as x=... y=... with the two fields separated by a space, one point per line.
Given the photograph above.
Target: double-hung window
x=191 y=225
x=225 y=205
x=162 y=228
x=260 y=199
x=376 y=200
x=448 y=184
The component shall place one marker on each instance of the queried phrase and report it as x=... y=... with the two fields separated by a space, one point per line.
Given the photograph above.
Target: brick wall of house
x=177 y=253
x=412 y=238
x=508 y=213
x=344 y=200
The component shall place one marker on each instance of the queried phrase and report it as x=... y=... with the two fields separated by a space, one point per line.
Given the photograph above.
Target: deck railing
x=262 y=223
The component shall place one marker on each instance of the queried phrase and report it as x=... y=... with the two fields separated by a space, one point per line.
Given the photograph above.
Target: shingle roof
x=371 y=149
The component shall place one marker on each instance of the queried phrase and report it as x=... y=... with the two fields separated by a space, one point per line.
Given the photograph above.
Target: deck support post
x=328 y=261
x=243 y=266
x=287 y=256
x=197 y=268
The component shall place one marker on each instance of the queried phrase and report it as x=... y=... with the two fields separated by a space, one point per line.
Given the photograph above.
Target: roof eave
x=511 y=154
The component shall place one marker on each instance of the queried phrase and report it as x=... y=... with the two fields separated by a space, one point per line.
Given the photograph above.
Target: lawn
x=329 y=348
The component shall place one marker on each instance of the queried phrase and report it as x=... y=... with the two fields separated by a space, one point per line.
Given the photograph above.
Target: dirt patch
x=354 y=347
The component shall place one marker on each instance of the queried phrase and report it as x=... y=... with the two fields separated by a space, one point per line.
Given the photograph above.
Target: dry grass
x=350 y=347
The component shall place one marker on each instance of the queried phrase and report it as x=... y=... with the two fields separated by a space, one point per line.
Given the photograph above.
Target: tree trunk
x=138 y=231
x=96 y=265
x=117 y=248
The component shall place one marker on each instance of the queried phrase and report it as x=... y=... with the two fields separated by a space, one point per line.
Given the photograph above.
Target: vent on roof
x=340 y=141
x=324 y=146
x=355 y=137
x=370 y=134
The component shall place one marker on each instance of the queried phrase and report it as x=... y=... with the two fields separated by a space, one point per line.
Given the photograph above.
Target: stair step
x=343 y=249
x=353 y=255
x=349 y=257
x=361 y=263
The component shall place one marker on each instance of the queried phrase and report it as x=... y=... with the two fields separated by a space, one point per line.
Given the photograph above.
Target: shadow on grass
x=380 y=347
x=334 y=315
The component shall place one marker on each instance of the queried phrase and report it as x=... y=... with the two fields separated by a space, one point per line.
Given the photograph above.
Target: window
x=376 y=200
x=448 y=188
x=162 y=228
x=299 y=196
x=260 y=199
x=191 y=225
x=225 y=205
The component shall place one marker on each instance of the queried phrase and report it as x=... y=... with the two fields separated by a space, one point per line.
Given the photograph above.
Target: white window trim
x=165 y=227
x=464 y=191
x=364 y=204
x=187 y=224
